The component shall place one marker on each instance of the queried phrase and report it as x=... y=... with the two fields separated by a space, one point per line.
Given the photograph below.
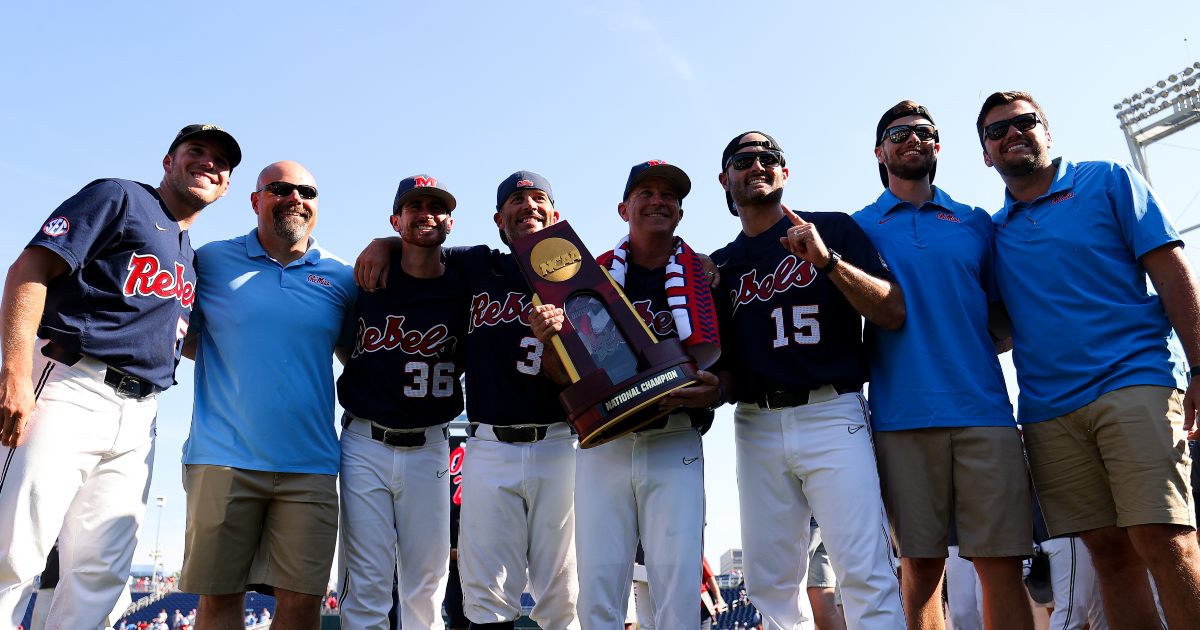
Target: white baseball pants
x=1076 y=588
x=81 y=476
x=518 y=517
x=964 y=592
x=641 y=598
x=650 y=485
x=814 y=459
x=395 y=513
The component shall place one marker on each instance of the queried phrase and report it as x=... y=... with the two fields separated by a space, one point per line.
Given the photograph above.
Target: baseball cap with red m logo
x=422 y=184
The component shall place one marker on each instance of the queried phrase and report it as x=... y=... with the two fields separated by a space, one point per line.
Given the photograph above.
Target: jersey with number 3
x=505 y=384
x=784 y=325
x=408 y=347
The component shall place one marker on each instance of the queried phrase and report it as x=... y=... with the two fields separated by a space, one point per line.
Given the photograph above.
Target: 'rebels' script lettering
x=790 y=273
x=487 y=312
x=661 y=322
x=429 y=343
x=148 y=278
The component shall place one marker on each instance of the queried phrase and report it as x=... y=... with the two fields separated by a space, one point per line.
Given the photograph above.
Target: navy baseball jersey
x=128 y=298
x=505 y=385
x=784 y=325
x=645 y=290
x=407 y=357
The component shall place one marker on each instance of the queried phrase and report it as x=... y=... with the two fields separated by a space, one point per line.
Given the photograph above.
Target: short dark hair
x=1004 y=98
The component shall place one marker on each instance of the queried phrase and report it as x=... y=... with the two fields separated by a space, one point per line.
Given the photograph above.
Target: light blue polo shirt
x=940 y=368
x=1067 y=264
x=264 y=365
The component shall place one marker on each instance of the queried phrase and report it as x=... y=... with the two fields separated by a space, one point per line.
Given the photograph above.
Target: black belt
x=125 y=384
x=396 y=437
x=515 y=435
x=791 y=398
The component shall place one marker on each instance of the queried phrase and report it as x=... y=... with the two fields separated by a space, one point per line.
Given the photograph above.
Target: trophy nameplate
x=618 y=369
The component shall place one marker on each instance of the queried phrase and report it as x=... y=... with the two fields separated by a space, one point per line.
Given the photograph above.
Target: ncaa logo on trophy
x=618 y=368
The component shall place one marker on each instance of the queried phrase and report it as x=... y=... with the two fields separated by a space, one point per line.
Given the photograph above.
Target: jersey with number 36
x=505 y=384
x=784 y=325
x=408 y=351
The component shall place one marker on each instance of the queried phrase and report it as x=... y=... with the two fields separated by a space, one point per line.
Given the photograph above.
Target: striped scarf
x=688 y=296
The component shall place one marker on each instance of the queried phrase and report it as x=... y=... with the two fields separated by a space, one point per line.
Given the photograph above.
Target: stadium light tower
x=1168 y=106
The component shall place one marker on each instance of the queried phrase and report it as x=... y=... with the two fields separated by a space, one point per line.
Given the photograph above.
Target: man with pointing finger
x=794 y=289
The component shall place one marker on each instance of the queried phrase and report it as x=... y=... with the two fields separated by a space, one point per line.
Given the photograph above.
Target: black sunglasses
x=900 y=133
x=284 y=189
x=743 y=161
x=1023 y=123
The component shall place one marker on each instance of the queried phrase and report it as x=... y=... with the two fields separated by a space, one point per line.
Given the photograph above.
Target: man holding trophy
x=647 y=484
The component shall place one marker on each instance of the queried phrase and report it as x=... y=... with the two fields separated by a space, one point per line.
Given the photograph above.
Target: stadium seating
x=741 y=612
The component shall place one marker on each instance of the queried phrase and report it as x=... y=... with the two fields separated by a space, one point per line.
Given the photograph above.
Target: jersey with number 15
x=505 y=384
x=784 y=325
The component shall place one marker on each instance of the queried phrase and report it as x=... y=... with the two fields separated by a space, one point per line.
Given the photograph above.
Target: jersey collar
x=888 y=202
x=1064 y=179
x=254 y=249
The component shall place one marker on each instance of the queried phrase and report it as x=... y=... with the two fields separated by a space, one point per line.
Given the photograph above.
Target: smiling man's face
x=1017 y=152
x=652 y=206
x=912 y=158
x=290 y=217
x=524 y=212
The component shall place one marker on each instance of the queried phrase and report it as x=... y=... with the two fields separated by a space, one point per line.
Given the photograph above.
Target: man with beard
x=945 y=438
x=269 y=314
x=794 y=289
x=649 y=485
x=400 y=390
x=1106 y=398
x=107 y=287
x=518 y=514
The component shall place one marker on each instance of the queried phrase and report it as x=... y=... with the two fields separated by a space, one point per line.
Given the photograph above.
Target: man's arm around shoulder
x=20 y=312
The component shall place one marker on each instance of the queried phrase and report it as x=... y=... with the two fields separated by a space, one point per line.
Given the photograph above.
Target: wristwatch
x=834 y=259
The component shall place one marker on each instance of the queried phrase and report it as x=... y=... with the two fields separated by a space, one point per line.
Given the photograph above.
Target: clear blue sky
x=365 y=93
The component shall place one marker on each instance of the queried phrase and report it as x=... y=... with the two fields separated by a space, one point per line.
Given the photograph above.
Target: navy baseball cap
x=901 y=110
x=736 y=145
x=659 y=168
x=522 y=180
x=422 y=185
x=233 y=152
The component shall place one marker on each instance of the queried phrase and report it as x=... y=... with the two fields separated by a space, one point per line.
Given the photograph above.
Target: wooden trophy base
x=631 y=404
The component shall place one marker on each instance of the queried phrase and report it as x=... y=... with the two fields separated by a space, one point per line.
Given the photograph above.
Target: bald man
x=262 y=514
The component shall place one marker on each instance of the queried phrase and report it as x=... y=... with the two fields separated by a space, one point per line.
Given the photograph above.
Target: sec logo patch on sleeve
x=56 y=226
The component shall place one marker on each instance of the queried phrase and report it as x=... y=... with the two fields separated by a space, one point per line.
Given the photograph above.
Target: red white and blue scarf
x=691 y=302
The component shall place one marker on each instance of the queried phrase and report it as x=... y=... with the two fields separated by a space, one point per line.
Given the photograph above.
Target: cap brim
x=669 y=172
x=233 y=151
x=444 y=195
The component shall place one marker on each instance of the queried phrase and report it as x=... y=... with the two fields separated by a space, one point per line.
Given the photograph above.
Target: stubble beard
x=759 y=199
x=912 y=172
x=1027 y=164
x=181 y=186
x=291 y=229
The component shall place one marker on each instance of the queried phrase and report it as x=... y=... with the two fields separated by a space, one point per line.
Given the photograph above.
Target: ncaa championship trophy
x=618 y=368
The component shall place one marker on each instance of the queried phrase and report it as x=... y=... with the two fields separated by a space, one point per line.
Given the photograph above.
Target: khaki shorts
x=975 y=474
x=820 y=572
x=1120 y=460
x=247 y=528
